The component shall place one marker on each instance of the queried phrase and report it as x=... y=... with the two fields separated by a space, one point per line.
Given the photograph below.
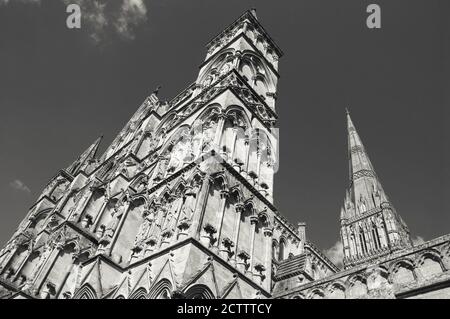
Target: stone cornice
x=365 y=215
x=215 y=85
x=247 y=15
x=356 y=269
x=41 y=199
x=439 y=281
x=182 y=95
x=166 y=251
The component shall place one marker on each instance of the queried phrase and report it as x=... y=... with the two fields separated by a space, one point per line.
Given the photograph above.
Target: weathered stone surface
x=180 y=205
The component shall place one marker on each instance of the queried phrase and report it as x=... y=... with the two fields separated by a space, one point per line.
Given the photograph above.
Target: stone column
x=7 y=259
x=258 y=166
x=244 y=171
x=63 y=201
x=219 y=130
x=80 y=206
x=267 y=252
x=254 y=222
x=119 y=227
x=233 y=145
x=22 y=263
x=177 y=214
x=239 y=207
x=200 y=206
x=47 y=267
x=69 y=269
x=353 y=250
x=100 y=214
x=391 y=232
x=223 y=195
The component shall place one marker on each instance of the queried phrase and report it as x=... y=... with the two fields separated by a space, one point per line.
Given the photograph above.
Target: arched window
x=274 y=250
x=376 y=237
x=362 y=239
x=281 y=248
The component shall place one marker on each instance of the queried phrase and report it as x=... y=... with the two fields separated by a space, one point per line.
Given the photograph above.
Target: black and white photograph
x=235 y=150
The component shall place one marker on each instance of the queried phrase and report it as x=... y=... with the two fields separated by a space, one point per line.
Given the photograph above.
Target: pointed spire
x=361 y=170
x=253 y=12
x=366 y=206
x=84 y=159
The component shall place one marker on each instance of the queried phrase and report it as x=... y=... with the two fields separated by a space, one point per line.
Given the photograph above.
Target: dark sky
x=60 y=90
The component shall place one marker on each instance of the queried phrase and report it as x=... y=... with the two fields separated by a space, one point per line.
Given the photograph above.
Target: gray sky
x=60 y=89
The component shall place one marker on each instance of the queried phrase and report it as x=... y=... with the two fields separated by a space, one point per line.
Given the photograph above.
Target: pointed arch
x=336 y=290
x=429 y=253
x=238 y=116
x=274 y=249
x=195 y=177
x=38 y=219
x=234 y=134
x=430 y=263
x=140 y=293
x=179 y=186
x=253 y=62
x=356 y=286
x=199 y=292
x=221 y=180
x=167 y=120
x=139 y=179
x=85 y=292
x=210 y=111
x=402 y=272
x=161 y=290
x=316 y=293
x=213 y=67
x=237 y=193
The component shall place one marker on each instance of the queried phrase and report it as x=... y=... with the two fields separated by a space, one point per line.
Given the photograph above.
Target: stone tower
x=180 y=203
x=370 y=226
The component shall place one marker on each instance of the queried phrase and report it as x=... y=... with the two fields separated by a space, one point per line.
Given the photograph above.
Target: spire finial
x=253 y=12
x=156 y=91
x=350 y=125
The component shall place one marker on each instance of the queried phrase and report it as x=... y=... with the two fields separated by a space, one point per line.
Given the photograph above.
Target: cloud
x=336 y=254
x=20 y=186
x=132 y=13
x=418 y=240
x=103 y=19
x=5 y=2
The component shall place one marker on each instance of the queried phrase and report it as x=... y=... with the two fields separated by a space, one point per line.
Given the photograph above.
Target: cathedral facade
x=180 y=205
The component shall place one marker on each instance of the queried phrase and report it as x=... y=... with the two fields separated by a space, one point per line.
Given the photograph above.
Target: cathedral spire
x=85 y=158
x=362 y=176
x=370 y=225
